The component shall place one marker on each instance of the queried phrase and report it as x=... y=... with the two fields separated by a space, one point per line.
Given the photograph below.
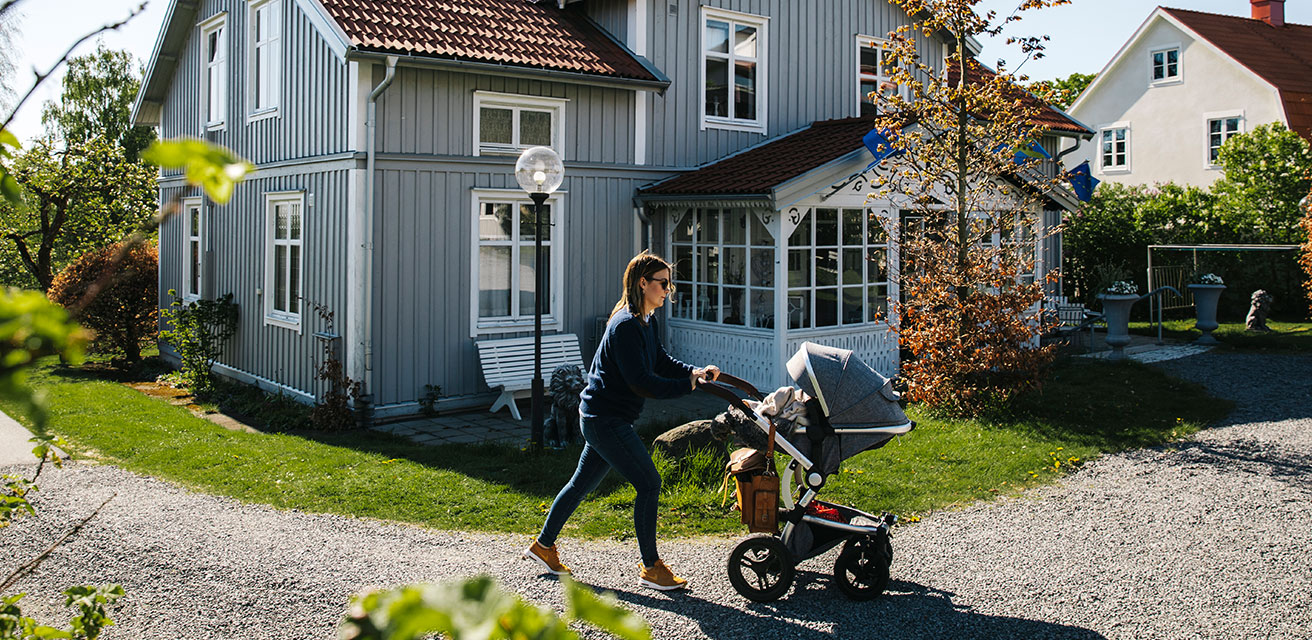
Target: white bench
x=508 y=364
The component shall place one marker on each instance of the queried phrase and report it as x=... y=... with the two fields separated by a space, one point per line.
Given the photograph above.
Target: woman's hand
x=710 y=372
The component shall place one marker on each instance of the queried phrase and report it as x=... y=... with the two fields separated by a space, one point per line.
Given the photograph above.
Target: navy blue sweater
x=630 y=365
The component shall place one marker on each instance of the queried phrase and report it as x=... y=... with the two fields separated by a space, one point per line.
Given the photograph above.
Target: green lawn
x=1285 y=336
x=1086 y=408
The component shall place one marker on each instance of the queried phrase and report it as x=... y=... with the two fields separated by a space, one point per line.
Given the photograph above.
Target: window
x=215 y=50
x=507 y=123
x=838 y=268
x=723 y=268
x=1166 y=65
x=1019 y=236
x=874 y=71
x=192 y=264
x=264 y=18
x=504 y=270
x=1115 y=149
x=284 y=258
x=733 y=65
x=1218 y=131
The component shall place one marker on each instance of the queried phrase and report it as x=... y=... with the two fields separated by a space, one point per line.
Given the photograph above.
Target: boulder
x=730 y=429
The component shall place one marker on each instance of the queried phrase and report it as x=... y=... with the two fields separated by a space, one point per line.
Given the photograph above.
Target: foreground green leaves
x=476 y=609
x=91 y=603
x=213 y=168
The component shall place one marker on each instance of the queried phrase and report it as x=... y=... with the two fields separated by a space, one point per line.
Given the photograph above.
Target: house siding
x=811 y=60
x=234 y=238
x=423 y=276
x=431 y=112
x=312 y=115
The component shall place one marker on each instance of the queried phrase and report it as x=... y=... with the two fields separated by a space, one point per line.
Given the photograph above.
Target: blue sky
x=1085 y=35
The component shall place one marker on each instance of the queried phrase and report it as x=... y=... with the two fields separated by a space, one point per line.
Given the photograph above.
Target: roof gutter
x=366 y=250
x=529 y=73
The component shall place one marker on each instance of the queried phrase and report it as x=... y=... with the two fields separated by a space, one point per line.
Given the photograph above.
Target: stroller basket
x=850 y=408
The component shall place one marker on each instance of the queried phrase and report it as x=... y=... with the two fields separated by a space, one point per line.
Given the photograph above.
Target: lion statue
x=1257 y=313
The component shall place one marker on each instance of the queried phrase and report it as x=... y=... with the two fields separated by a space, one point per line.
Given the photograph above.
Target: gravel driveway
x=1207 y=538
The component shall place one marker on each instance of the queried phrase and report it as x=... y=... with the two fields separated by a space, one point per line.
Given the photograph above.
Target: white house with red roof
x=1184 y=83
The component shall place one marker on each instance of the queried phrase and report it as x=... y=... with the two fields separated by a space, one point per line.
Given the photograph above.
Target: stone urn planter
x=1116 y=307
x=1205 y=299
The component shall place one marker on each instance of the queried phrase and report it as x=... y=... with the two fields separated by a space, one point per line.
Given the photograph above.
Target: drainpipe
x=371 y=127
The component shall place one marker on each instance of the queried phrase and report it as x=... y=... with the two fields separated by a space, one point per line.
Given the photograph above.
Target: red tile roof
x=1047 y=116
x=511 y=32
x=1280 y=55
x=759 y=169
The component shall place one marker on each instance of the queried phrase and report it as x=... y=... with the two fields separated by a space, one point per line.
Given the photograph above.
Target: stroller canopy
x=852 y=394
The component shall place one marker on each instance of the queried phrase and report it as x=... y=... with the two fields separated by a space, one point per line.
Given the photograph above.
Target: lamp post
x=539 y=172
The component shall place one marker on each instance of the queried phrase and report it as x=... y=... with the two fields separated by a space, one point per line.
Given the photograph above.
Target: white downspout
x=371 y=126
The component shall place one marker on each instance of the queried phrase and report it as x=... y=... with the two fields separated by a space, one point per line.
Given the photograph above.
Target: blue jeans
x=610 y=442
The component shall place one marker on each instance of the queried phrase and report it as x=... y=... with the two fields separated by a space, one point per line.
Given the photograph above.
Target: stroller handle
x=736 y=382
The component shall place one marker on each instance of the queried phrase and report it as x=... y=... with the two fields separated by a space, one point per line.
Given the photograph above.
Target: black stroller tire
x=761 y=568
x=862 y=568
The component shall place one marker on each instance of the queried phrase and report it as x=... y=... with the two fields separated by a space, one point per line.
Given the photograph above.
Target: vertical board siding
x=236 y=236
x=431 y=112
x=613 y=16
x=312 y=110
x=811 y=60
x=423 y=269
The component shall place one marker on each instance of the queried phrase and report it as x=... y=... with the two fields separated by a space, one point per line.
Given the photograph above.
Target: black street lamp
x=539 y=172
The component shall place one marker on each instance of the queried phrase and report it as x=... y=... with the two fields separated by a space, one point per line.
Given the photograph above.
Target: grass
x=1085 y=409
x=1285 y=336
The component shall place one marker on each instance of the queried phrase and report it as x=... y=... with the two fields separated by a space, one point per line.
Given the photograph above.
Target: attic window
x=508 y=123
x=875 y=70
x=214 y=40
x=733 y=70
x=265 y=24
x=1166 y=65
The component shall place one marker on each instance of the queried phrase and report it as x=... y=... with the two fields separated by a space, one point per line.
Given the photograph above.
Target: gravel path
x=1207 y=538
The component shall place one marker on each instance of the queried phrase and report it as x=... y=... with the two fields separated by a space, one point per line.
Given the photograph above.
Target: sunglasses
x=665 y=283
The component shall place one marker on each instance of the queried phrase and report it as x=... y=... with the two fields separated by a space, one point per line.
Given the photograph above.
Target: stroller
x=849 y=408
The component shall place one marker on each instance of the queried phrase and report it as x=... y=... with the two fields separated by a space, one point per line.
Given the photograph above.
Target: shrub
x=1305 y=257
x=198 y=331
x=112 y=291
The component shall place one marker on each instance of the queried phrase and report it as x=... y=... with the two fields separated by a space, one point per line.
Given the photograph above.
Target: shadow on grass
x=906 y=610
x=1284 y=336
x=1113 y=406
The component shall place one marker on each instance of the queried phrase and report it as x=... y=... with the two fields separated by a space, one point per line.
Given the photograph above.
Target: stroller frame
x=861 y=570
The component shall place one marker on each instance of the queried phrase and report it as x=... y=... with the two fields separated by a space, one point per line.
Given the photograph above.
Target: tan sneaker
x=661 y=578
x=547 y=557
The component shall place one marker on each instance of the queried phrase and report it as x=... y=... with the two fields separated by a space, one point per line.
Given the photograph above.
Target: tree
x=117 y=300
x=964 y=134
x=96 y=102
x=1267 y=172
x=1062 y=92
x=86 y=196
x=1305 y=256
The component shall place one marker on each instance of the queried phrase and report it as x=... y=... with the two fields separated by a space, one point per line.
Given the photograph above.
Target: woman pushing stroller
x=630 y=365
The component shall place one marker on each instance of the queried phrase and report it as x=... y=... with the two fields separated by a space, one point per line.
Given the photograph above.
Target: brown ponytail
x=643 y=265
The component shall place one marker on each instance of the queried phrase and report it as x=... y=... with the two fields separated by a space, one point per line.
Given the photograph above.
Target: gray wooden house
x=385 y=133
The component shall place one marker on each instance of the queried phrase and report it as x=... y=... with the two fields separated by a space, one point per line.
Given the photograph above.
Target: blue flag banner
x=1026 y=153
x=880 y=146
x=1082 y=181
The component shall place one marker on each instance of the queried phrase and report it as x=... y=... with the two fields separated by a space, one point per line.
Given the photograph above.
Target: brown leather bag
x=757 y=486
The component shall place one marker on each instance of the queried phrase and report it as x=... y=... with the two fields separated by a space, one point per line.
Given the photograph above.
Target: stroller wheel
x=761 y=568
x=862 y=568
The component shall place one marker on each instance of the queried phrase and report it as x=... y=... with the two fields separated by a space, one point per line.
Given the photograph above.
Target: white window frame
x=272 y=47
x=1129 y=139
x=518 y=103
x=552 y=318
x=272 y=316
x=1208 y=119
x=1179 y=65
x=691 y=283
x=761 y=24
x=198 y=238
x=876 y=213
x=218 y=69
x=883 y=45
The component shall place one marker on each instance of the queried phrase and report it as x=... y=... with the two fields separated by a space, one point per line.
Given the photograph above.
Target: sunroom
x=774 y=247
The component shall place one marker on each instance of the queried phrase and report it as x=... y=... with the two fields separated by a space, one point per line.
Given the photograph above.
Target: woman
x=630 y=365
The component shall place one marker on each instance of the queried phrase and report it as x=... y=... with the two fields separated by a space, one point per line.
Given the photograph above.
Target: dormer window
x=733 y=70
x=1166 y=65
